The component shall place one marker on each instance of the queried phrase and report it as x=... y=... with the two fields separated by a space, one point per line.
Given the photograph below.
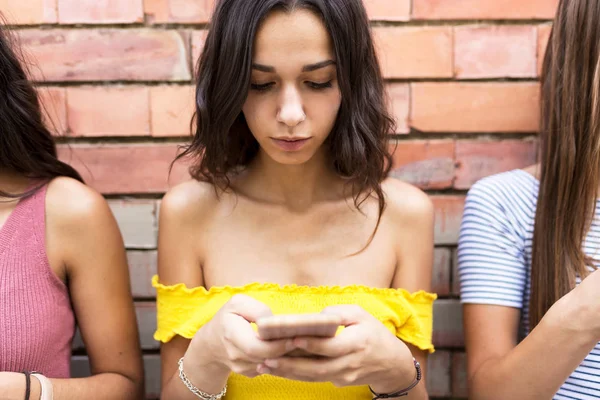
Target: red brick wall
x=115 y=76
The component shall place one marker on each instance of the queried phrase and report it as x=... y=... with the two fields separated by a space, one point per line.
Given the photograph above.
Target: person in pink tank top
x=62 y=261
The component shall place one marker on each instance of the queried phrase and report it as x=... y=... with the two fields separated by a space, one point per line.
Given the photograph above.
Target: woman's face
x=294 y=96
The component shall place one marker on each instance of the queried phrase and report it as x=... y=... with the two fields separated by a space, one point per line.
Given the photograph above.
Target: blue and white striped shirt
x=494 y=259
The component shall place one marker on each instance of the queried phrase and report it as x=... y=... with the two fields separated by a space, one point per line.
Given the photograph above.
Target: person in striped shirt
x=530 y=239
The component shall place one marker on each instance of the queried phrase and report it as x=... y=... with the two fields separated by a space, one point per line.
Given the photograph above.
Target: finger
x=248 y=369
x=351 y=314
x=248 y=307
x=337 y=346
x=314 y=369
x=257 y=350
x=245 y=344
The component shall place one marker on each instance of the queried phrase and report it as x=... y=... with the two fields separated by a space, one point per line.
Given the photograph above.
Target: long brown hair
x=358 y=144
x=570 y=154
x=26 y=145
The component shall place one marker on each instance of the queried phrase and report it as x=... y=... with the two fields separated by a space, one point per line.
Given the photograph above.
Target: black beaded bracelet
x=403 y=392
x=27 y=384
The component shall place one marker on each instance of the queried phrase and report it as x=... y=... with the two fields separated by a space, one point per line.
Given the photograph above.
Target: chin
x=291 y=158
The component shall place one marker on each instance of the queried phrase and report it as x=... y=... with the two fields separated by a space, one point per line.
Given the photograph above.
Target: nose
x=291 y=109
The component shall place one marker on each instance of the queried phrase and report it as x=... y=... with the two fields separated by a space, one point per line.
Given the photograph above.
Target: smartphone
x=285 y=326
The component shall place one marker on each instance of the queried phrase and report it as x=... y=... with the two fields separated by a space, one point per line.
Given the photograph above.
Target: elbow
x=136 y=385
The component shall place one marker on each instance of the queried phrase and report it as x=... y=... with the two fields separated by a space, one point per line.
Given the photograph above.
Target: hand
x=364 y=353
x=580 y=308
x=229 y=342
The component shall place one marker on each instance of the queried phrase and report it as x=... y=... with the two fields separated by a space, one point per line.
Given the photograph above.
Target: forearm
x=553 y=347
x=104 y=386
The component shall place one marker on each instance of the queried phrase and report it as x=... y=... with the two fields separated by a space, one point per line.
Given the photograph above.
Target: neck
x=294 y=186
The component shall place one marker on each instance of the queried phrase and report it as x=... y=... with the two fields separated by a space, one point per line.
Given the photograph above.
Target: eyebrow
x=306 y=68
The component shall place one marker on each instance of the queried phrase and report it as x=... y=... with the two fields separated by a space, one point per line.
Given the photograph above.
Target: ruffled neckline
x=295 y=289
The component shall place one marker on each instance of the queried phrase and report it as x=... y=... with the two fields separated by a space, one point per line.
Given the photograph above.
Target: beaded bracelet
x=403 y=392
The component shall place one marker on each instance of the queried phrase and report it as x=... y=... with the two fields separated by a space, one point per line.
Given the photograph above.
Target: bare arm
x=83 y=237
x=413 y=215
x=534 y=369
x=179 y=261
x=493 y=272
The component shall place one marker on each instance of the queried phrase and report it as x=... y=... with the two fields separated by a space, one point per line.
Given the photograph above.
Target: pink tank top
x=36 y=319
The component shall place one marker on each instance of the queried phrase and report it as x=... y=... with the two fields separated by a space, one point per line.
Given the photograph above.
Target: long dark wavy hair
x=358 y=144
x=26 y=145
x=570 y=151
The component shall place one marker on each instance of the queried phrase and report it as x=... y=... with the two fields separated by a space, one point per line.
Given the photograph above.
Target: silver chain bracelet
x=199 y=393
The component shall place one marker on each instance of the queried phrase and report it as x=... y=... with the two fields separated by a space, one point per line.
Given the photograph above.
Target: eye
x=262 y=87
x=319 y=86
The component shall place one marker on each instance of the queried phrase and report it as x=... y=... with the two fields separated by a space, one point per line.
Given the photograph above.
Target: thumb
x=248 y=307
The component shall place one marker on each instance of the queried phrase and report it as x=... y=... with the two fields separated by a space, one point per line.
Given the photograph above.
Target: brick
x=108 y=54
x=53 y=101
x=543 y=38
x=428 y=164
x=483 y=9
x=460 y=389
x=440 y=282
x=438 y=374
x=388 y=10
x=448 y=216
x=447 y=324
x=126 y=169
x=497 y=51
x=402 y=53
x=109 y=111
x=475 y=107
x=179 y=11
x=137 y=222
x=100 y=11
x=478 y=159
x=172 y=108
x=146 y=320
x=198 y=40
x=80 y=368
x=30 y=12
x=399 y=96
x=455 y=277
x=142 y=267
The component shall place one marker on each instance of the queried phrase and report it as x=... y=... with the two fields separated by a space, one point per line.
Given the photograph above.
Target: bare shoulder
x=406 y=203
x=72 y=203
x=188 y=202
x=185 y=213
x=534 y=170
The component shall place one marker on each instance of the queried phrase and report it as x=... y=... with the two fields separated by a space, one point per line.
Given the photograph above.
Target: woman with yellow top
x=290 y=212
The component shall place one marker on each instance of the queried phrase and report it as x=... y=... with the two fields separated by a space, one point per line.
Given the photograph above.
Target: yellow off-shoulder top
x=182 y=311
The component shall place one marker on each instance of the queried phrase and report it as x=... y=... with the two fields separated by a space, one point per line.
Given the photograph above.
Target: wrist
x=12 y=386
x=202 y=353
x=36 y=389
x=570 y=316
x=402 y=373
x=394 y=384
x=203 y=367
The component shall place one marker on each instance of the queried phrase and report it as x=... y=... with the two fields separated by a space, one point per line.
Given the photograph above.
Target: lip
x=290 y=144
